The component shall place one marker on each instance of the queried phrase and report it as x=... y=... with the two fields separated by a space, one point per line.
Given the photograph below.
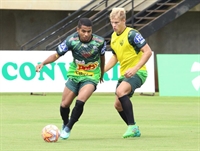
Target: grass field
x=166 y=124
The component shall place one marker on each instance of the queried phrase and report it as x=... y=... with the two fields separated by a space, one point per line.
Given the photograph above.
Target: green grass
x=166 y=124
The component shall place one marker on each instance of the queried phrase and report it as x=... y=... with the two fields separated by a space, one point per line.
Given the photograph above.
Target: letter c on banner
x=5 y=73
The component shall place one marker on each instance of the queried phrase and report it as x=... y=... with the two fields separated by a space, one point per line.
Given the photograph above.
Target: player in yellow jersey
x=132 y=52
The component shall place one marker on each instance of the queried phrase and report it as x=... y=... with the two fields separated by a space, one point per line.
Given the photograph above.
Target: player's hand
x=101 y=80
x=130 y=72
x=38 y=67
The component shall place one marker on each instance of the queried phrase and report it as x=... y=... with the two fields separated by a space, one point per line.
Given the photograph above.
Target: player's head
x=84 y=29
x=118 y=19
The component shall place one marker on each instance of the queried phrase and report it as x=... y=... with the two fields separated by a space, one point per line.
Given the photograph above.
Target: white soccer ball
x=50 y=133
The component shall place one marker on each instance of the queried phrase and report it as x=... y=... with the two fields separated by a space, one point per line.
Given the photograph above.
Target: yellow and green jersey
x=86 y=57
x=126 y=47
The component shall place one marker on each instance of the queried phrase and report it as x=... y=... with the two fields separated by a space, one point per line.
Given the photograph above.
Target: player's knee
x=120 y=93
x=65 y=103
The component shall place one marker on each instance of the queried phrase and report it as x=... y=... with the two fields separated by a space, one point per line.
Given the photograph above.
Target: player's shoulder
x=72 y=37
x=135 y=37
x=133 y=31
x=97 y=38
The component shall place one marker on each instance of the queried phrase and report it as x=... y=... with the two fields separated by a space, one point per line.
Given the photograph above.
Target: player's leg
x=86 y=90
x=67 y=99
x=124 y=91
x=119 y=109
x=68 y=96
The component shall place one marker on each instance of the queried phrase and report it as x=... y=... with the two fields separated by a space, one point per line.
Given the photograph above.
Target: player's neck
x=121 y=31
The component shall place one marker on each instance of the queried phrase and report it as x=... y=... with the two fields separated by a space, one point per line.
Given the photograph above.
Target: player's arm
x=50 y=59
x=145 y=57
x=102 y=67
x=139 y=44
x=102 y=58
x=60 y=50
x=113 y=60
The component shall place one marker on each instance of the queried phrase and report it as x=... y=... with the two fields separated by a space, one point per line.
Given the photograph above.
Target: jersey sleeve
x=103 y=48
x=113 y=52
x=136 y=40
x=63 y=47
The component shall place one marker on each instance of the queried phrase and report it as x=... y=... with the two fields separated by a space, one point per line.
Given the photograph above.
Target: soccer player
x=85 y=71
x=132 y=52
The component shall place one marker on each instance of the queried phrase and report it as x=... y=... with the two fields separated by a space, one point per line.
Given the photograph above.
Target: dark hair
x=85 y=22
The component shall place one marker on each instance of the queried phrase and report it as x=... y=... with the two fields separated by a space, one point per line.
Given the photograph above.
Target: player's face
x=117 y=24
x=85 y=33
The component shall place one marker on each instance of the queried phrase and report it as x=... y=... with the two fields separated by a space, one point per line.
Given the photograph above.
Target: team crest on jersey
x=138 y=39
x=87 y=54
x=121 y=42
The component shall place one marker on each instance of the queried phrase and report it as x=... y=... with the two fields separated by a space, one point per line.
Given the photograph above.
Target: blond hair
x=118 y=13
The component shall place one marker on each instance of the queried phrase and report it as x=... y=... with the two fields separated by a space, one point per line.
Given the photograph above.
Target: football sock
x=76 y=113
x=128 y=109
x=123 y=116
x=64 y=112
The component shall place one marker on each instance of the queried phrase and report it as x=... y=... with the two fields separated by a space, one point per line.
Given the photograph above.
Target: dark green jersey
x=86 y=57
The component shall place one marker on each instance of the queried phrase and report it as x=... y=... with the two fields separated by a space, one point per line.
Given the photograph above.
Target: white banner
x=18 y=73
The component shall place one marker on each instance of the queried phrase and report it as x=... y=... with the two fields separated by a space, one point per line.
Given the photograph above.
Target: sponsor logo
x=84 y=73
x=104 y=48
x=138 y=39
x=26 y=71
x=63 y=47
x=89 y=66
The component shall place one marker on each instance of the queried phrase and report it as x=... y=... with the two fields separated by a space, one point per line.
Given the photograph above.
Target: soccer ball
x=50 y=133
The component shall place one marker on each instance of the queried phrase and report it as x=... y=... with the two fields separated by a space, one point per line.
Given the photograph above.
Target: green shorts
x=75 y=87
x=134 y=81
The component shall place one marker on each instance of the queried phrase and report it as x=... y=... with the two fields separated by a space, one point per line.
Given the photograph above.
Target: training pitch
x=166 y=123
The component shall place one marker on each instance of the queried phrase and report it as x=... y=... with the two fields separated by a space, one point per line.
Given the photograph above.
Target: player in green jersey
x=132 y=52
x=85 y=71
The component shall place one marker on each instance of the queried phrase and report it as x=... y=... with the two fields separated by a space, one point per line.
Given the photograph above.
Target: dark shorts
x=134 y=81
x=75 y=87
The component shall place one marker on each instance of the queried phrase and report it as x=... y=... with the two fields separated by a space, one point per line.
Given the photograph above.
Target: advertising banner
x=18 y=73
x=179 y=75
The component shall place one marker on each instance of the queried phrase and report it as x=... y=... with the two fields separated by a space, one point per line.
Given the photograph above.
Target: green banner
x=178 y=75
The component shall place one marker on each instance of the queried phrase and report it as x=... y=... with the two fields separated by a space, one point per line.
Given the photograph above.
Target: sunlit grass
x=166 y=124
